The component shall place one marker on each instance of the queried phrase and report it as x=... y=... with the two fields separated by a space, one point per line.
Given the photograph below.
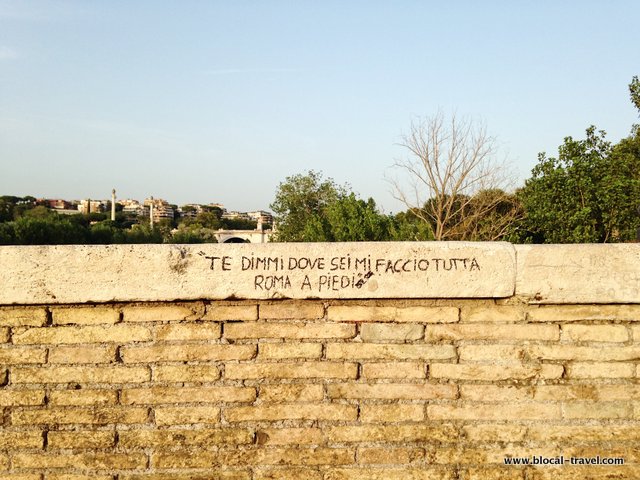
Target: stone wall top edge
x=113 y=273
x=554 y=274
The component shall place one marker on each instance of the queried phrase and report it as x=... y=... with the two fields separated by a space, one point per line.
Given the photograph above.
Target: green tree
x=299 y=200
x=51 y=230
x=407 y=226
x=634 y=91
x=587 y=194
x=349 y=219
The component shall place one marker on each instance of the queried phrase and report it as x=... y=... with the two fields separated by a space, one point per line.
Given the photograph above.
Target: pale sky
x=219 y=101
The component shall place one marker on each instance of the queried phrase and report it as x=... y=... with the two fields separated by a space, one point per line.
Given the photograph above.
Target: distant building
x=161 y=209
x=261 y=217
x=236 y=216
x=58 y=204
x=133 y=208
x=92 y=206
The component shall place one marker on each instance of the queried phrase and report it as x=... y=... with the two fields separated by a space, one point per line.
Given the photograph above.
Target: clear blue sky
x=219 y=101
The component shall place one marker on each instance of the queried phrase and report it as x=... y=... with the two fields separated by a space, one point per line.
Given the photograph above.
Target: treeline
x=24 y=222
x=588 y=193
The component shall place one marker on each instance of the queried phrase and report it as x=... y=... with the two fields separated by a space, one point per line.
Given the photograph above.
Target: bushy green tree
x=298 y=202
x=349 y=219
x=49 y=231
x=587 y=194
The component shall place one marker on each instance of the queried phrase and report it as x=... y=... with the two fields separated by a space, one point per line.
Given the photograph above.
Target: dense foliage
x=24 y=222
x=588 y=194
x=309 y=208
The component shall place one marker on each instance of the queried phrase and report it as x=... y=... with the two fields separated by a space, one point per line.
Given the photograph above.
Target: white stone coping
x=367 y=270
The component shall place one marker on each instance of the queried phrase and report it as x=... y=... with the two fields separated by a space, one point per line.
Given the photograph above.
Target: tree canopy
x=588 y=193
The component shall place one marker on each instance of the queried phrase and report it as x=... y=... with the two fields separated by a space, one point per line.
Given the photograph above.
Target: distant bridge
x=243 y=236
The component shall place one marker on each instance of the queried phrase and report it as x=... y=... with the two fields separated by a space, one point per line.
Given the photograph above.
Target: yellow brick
x=188 y=331
x=211 y=474
x=589 y=354
x=87 y=460
x=586 y=392
x=82 y=374
x=389 y=351
x=4 y=334
x=184 y=438
x=594 y=333
x=390 y=456
x=295 y=311
x=492 y=372
x=394 y=370
x=288 y=330
x=276 y=351
x=493 y=314
x=291 y=370
x=186 y=373
x=83 y=397
x=187 y=415
x=84 y=416
x=245 y=313
x=289 y=436
x=404 y=473
x=294 y=411
x=624 y=472
x=497 y=473
x=390 y=391
x=83 y=334
x=492 y=353
x=4 y=462
x=81 y=439
x=297 y=392
x=287 y=474
x=358 y=313
x=11 y=398
x=84 y=315
x=577 y=313
x=491 y=433
x=163 y=313
x=187 y=353
x=582 y=410
x=75 y=476
x=396 y=413
x=583 y=433
x=494 y=411
x=22 y=355
x=160 y=395
x=473 y=331
x=601 y=370
x=422 y=432
x=21 y=439
x=93 y=354
x=635 y=333
x=19 y=476
x=496 y=393
x=23 y=316
x=381 y=332
x=262 y=456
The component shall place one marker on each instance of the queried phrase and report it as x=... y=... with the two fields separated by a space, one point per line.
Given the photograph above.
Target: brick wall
x=324 y=389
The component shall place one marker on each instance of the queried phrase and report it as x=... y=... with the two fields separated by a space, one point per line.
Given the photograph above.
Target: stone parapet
x=124 y=273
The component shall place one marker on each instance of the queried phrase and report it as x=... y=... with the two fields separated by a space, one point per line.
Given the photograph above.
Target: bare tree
x=451 y=162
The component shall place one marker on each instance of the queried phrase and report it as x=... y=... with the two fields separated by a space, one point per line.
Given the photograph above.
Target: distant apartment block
x=161 y=208
x=92 y=206
x=261 y=217
x=132 y=207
